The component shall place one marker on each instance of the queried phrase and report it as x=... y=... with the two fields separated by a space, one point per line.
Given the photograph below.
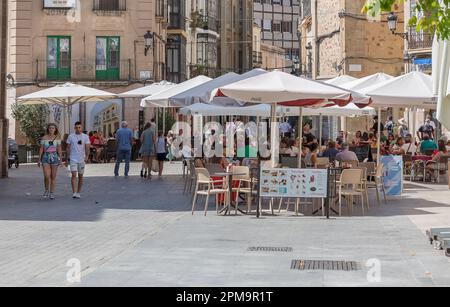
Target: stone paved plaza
x=130 y=232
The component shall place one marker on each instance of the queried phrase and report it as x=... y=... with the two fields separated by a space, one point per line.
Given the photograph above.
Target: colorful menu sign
x=62 y=4
x=294 y=183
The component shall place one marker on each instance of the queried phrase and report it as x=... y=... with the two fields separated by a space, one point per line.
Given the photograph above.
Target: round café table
x=229 y=175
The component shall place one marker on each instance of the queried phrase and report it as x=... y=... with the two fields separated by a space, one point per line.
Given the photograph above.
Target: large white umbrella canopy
x=263 y=110
x=359 y=84
x=148 y=90
x=162 y=99
x=205 y=92
x=66 y=95
x=441 y=79
x=412 y=89
x=283 y=88
x=205 y=109
x=340 y=80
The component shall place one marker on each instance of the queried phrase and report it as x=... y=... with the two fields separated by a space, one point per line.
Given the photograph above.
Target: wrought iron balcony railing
x=84 y=70
x=420 y=40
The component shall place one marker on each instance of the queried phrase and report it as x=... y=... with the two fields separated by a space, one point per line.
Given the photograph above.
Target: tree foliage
x=32 y=120
x=434 y=14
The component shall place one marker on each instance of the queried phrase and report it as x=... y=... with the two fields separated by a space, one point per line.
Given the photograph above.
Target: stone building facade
x=97 y=43
x=337 y=39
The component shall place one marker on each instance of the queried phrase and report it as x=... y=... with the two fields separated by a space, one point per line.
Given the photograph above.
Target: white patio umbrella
x=281 y=88
x=205 y=92
x=277 y=87
x=263 y=110
x=162 y=99
x=412 y=89
x=441 y=79
x=359 y=84
x=65 y=95
x=340 y=80
x=148 y=90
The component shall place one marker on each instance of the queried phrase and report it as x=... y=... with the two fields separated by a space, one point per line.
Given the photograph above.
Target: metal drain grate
x=325 y=265
x=270 y=249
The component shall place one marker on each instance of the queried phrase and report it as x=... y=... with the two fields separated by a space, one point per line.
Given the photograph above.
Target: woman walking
x=50 y=154
x=148 y=141
x=161 y=151
x=169 y=146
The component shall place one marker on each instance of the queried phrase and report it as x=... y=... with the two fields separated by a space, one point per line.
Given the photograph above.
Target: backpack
x=405 y=131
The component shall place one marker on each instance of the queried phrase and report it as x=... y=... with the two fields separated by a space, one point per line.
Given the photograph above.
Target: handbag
x=155 y=166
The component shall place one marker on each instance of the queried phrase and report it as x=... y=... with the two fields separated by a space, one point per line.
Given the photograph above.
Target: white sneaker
x=74 y=195
x=52 y=196
x=45 y=194
x=77 y=196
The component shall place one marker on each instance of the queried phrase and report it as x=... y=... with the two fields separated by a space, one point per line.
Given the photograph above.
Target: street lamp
x=148 y=41
x=295 y=67
x=309 y=48
x=392 y=20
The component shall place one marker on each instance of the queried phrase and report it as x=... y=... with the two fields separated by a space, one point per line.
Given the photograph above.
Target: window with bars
x=110 y=5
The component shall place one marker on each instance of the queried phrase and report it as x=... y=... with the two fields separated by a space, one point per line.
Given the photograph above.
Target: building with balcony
x=266 y=56
x=204 y=44
x=98 y=43
x=236 y=36
x=419 y=44
x=278 y=21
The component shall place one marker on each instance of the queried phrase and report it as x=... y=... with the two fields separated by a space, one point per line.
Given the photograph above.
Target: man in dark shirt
x=375 y=126
x=331 y=152
x=308 y=137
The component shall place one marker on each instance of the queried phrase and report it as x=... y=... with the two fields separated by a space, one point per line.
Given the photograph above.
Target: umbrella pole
x=300 y=136
x=379 y=137
x=320 y=131
x=274 y=136
x=164 y=122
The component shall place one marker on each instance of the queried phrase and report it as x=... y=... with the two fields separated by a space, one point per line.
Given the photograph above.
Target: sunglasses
x=80 y=143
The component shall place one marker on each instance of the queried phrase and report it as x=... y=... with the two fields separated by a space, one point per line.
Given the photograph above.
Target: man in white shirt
x=285 y=129
x=78 y=147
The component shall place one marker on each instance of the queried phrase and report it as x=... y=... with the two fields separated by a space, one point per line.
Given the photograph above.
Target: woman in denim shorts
x=50 y=154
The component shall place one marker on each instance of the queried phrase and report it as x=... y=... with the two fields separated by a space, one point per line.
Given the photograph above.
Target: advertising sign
x=393 y=175
x=294 y=183
x=61 y=4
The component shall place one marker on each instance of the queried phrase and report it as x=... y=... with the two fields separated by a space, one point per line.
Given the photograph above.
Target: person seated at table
x=340 y=139
x=346 y=154
x=409 y=147
x=308 y=137
x=397 y=148
x=448 y=145
x=373 y=141
x=357 y=139
x=97 y=142
x=331 y=151
x=365 y=139
x=284 y=147
x=199 y=163
x=386 y=147
x=311 y=155
x=427 y=144
x=437 y=155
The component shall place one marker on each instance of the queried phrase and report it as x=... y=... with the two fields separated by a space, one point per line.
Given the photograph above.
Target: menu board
x=393 y=175
x=294 y=183
x=62 y=4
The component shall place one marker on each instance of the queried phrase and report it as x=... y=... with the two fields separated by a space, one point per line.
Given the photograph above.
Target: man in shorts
x=78 y=147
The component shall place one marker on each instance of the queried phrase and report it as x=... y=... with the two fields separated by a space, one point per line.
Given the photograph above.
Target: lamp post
x=295 y=67
x=309 y=49
x=148 y=41
x=392 y=20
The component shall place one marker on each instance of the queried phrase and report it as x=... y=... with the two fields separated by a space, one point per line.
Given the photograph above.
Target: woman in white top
x=409 y=147
x=161 y=151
